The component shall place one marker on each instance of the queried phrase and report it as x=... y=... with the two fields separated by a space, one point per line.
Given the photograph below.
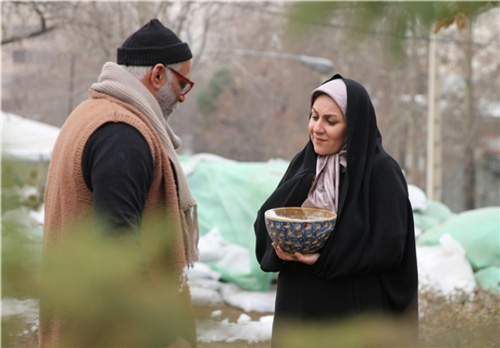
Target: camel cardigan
x=69 y=208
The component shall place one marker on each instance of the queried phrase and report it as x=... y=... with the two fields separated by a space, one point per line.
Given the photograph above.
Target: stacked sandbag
x=426 y=213
x=478 y=231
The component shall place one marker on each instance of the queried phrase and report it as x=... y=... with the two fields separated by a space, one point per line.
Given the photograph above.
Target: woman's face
x=327 y=126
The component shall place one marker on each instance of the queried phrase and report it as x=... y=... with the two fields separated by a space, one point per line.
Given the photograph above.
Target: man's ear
x=158 y=76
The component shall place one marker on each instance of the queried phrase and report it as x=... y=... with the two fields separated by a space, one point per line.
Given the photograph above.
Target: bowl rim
x=267 y=215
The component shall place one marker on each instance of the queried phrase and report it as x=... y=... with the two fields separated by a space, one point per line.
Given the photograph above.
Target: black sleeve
x=118 y=168
x=291 y=192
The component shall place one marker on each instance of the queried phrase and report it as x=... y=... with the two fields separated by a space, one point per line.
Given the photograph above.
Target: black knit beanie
x=152 y=44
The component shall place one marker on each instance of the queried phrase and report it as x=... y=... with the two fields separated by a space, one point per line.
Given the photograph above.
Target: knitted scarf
x=118 y=83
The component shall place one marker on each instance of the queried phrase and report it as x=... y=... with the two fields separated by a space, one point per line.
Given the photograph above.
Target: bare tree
x=258 y=106
x=26 y=10
x=53 y=51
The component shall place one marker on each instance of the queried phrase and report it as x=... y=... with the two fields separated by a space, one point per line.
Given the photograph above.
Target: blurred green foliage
x=20 y=236
x=360 y=331
x=108 y=297
x=98 y=289
x=218 y=84
x=395 y=21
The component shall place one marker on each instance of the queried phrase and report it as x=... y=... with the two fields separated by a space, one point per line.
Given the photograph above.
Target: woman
x=368 y=264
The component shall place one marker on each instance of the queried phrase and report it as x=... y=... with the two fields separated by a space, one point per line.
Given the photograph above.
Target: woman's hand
x=308 y=259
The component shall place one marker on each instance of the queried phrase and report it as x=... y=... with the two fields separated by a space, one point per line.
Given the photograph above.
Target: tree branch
x=27 y=36
x=43 y=26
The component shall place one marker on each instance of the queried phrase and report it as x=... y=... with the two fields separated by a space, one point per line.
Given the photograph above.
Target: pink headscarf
x=324 y=192
x=336 y=90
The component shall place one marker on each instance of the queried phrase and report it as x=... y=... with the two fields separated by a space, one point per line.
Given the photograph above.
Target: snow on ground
x=244 y=329
x=27 y=308
x=207 y=290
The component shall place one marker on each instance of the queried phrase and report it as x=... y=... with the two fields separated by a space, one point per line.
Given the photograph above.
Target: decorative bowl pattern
x=297 y=229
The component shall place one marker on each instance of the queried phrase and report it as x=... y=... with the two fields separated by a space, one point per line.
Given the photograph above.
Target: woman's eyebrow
x=326 y=115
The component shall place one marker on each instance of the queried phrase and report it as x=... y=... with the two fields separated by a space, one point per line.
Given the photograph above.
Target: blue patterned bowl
x=296 y=229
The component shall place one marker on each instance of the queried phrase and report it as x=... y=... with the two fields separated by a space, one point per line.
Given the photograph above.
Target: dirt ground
x=16 y=333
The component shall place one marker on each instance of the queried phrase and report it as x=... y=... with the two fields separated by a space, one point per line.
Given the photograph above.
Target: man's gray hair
x=140 y=71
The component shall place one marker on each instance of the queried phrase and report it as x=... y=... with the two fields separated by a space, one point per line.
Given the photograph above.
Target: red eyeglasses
x=185 y=83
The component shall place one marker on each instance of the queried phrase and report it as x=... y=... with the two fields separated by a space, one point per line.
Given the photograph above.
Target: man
x=114 y=176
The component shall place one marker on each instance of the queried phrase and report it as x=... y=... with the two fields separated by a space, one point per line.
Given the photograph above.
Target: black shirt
x=117 y=167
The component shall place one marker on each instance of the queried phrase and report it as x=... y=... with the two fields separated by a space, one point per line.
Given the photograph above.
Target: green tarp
x=489 y=278
x=478 y=231
x=229 y=194
x=435 y=214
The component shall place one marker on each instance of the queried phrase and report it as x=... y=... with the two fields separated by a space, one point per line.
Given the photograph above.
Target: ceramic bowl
x=297 y=229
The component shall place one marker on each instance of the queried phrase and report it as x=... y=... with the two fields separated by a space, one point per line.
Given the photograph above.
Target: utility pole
x=434 y=143
x=469 y=126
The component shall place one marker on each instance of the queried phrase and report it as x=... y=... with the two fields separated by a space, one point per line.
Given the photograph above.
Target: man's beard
x=167 y=100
